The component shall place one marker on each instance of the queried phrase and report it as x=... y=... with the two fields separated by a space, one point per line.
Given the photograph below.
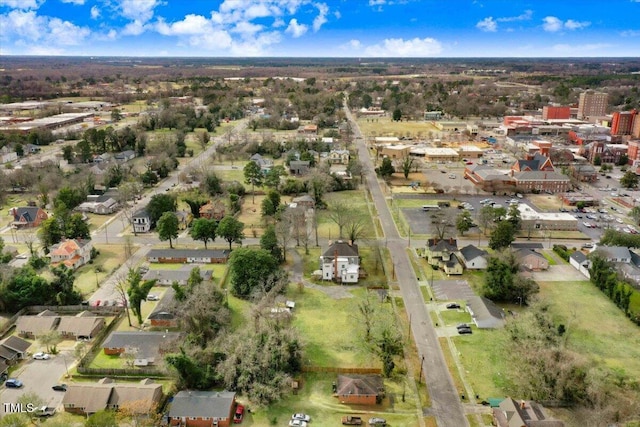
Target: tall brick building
x=592 y=104
x=623 y=122
x=550 y=112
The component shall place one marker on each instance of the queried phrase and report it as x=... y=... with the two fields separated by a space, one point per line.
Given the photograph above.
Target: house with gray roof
x=89 y=398
x=169 y=277
x=614 y=253
x=531 y=260
x=341 y=262
x=194 y=408
x=299 y=167
x=189 y=256
x=147 y=346
x=164 y=315
x=35 y=326
x=80 y=326
x=522 y=413
x=473 y=257
x=141 y=221
x=13 y=348
x=485 y=314
x=580 y=262
x=441 y=253
x=27 y=216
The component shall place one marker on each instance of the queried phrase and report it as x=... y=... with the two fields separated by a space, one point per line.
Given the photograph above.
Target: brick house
x=82 y=326
x=27 y=216
x=191 y=408
x=360 y=389
x=214 y=209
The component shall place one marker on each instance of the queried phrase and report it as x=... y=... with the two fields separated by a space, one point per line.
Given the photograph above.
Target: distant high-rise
x=592 y=104
x=635 y=131
x=622 y=122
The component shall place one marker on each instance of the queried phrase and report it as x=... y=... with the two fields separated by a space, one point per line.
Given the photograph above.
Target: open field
x=356 y=200
x=88 y=276
x=251 y=215
x=384 y=126
x=545 y=202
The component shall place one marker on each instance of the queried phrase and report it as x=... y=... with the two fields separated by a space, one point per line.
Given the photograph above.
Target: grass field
x=545 y=202
x=355 y=200
x=384 y=126
x=111 y=257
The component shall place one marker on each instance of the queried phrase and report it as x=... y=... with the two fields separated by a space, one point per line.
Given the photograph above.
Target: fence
x=341 y=370
x=122 y=372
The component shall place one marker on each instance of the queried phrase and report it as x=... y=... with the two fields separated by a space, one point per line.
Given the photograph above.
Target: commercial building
x=622 y=122
x=551 y=112
x=592 y=104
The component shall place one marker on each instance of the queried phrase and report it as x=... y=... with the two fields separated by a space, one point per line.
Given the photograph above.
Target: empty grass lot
x=110 y=258
x=384 y=126
x=356 y=201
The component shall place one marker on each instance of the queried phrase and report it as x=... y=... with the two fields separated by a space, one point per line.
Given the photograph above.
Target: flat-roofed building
x=533 y=220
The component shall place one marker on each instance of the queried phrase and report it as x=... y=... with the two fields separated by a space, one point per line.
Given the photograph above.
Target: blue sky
x=321 y=28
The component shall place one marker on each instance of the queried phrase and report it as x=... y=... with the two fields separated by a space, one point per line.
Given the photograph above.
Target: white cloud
x=377 y=2
x=630 y=33
x=28 y=29
x=21 y=4
x=247 y=29
x=95 y=12
x=488 y=25
x=552 y=24
x=277 y=23
x=296 y=30
x=134 y=28
x=527 y=15
x=138 y=10
x=76 y=2
x=355 y=44
x=337 y=14
x=405 y=48
x=321 y=19
x=191 y=24
x=576 y=25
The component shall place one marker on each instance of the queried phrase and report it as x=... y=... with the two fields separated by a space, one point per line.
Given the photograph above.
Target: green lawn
x=327 y=325
x=355 y=200
x=102 y=361
x=315 y=399
x=111 y=257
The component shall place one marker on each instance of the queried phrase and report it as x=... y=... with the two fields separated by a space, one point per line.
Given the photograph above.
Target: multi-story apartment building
x=623 y=122
x=592 y=104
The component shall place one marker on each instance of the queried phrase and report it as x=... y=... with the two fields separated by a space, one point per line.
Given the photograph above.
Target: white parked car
x=152 y=297
x=301 y=417
x=297 y=423
x=41 y=356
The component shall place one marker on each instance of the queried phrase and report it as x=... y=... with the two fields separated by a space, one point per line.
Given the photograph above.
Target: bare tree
x=121 y=287
x=340 y=214
x=283 y=232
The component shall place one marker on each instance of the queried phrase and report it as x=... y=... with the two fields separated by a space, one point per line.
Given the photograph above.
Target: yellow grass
x=384 y=126
x=251 y=215
x=111 y=257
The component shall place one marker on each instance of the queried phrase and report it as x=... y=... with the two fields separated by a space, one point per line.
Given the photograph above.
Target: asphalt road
x=38 y=377
x=446 y=406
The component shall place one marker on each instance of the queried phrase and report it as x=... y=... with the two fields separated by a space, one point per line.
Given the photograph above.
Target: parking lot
x=38 y=376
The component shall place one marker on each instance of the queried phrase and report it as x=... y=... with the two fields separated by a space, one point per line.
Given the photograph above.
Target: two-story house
x=441 y=253
x=72 y=253
x=341 y=262
x=215 y=209
x=338 y=157
x=141 y=221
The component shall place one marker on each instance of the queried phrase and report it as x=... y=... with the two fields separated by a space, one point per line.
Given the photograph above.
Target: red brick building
x=360 y=389
x=191 y=408
x=622 y=122
x=550 y=112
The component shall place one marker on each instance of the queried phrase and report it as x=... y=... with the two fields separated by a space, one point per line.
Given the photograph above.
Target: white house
x=473 y=258
x=580 y=262
x=341 y=262
x=141 y=221
x=72 y=253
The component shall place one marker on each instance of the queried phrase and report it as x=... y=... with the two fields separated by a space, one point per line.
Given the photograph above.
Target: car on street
x=301 y=417
x=452 y=176
x=238 y=415
x=152 y=297
x=59 y=387
x=297 y=423
x=41 y=356
x=443 y=171
x=13 y=383
x=453 y=306
x=587 y=246
x=377 y=422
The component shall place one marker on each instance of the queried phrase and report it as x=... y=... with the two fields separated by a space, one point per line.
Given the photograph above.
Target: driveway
x=557 y=273
x=38 y=377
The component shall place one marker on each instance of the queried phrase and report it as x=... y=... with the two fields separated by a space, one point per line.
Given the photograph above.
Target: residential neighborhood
x=358 y=243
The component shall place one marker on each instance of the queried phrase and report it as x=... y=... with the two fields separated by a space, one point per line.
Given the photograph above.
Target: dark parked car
x=59 y=387
x=13 y=383
x=464 y=331
x=463 y=326
x=453 y=305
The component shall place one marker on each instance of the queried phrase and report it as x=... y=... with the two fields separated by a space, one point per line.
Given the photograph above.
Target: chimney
x=335 y=264
x=350 y=242
x=522 y=404
x=451 y=240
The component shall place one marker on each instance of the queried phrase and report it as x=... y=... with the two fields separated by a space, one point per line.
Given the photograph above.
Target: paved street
x=38 y=377
x=446 y=406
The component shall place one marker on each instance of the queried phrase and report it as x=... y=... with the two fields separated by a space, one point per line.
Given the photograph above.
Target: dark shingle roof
x=578 y=256
x=359 y=385
x=212 y=404
x=485 y=313
x=342 y=248
x=470 y=252
x=188 y=253
x=147 y=343
x=439 y=245
x=16 y=343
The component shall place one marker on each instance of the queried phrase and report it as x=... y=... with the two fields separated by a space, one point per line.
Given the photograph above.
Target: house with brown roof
x=89 y=398
x=80 y=326
x=512 y=413
x=215 y=209
x=34 y=326
x=27 y=216
x=191 y=408
x=531 y=260
x=188 y=256
x=14 y=348
x=71 y=253
x=341 y=262
x=360 y=389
